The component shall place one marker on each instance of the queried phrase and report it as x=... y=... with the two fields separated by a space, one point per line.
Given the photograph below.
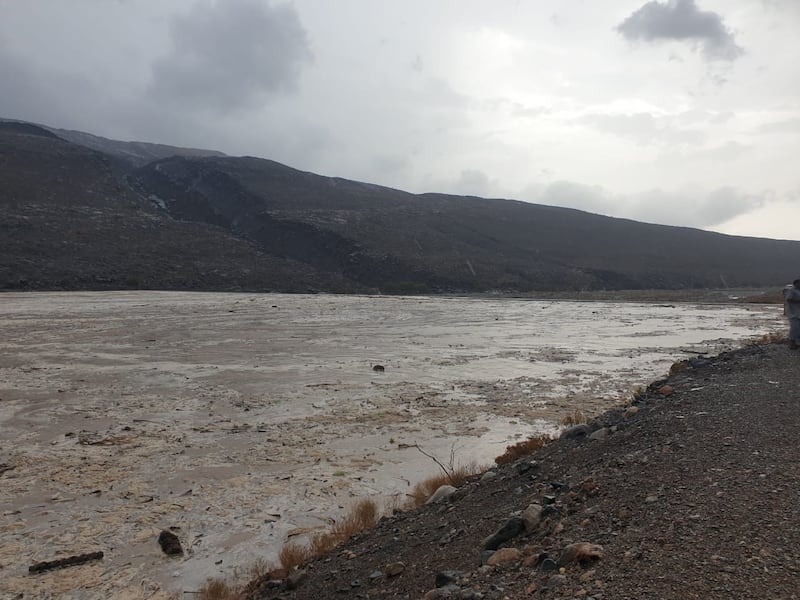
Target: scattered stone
x=532 y=516
x=522 y=467
x=450 y=536
x=513 y=527
x=394 y=569
x=295 y=579
x=587 y=576
x=443 y=492
x=488 y=475
x=450 y=591
x=651 y=498
x=559 y=486
x=600 y=434
x=533 y=560
x=589 y=487
x=549 y=499
x=531 y=588
x=575 y=432
x=580 y=552
x=169 y=542
x=549 y=510
x=445 y=578
x=666 y=390
x=548 y=564
x=376 y=575
x=631 y=410
x=504 y=556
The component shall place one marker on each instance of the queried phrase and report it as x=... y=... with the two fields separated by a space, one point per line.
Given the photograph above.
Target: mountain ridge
x=300 y=231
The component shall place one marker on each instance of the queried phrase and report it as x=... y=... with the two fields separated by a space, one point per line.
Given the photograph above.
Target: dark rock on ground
x=169 y=542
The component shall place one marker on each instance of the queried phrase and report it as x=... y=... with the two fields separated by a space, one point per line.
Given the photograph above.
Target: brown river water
x=242 y=420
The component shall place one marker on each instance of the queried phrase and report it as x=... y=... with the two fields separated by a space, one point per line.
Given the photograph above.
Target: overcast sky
x=682 y=112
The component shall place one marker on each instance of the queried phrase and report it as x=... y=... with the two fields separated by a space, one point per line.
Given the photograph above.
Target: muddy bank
x=240 y=420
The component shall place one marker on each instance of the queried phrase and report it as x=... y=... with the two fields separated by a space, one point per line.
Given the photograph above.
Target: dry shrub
x=218 y=589
x=363 y=515
x=260 y=568
x=576 y=418
x=322 y=543
x=522 y=448
x=425 y=489
x=455 y=476
x=293 y=555
x=774 y=337
x=678 y=366
x=393 y=505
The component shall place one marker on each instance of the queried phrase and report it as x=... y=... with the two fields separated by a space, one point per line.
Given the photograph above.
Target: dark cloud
x=694 y=209
x=682 y=20
x=230 y=54
x=725 y=203
x=29 y=92
x=687 y=207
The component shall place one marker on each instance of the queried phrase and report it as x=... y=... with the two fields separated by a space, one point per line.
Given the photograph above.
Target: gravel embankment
x=692 y=493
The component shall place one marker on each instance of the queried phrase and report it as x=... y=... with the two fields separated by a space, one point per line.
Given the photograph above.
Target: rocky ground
x=691 y=492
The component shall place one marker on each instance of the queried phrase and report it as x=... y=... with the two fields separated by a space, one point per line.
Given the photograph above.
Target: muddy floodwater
x=244 y=420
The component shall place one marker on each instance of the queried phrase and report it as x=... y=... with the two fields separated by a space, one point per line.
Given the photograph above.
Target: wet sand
x=243 y=419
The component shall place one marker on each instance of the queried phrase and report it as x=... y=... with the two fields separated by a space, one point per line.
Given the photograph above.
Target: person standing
x=792 y=299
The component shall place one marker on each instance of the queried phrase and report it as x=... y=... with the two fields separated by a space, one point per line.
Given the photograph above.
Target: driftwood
x=70 y=561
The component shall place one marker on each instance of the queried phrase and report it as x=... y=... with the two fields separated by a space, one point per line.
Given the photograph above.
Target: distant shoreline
x=703 y=296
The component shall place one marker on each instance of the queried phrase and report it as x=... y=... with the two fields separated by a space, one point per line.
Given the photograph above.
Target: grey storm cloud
x=230 y=54
x=692 y=208
x=682 y=20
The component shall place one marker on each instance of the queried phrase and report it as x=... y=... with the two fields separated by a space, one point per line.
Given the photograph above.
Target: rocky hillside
x=82 y=212
x=70 y=222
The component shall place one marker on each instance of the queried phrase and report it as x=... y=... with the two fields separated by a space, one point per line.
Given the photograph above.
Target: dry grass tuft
x=455 y=476
x=260 y=568
x=523 y=448
x=322 y=543
x=218 y=589
x=678 y=366
x=363 y=515
x=293 y=555
x=576 y=418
